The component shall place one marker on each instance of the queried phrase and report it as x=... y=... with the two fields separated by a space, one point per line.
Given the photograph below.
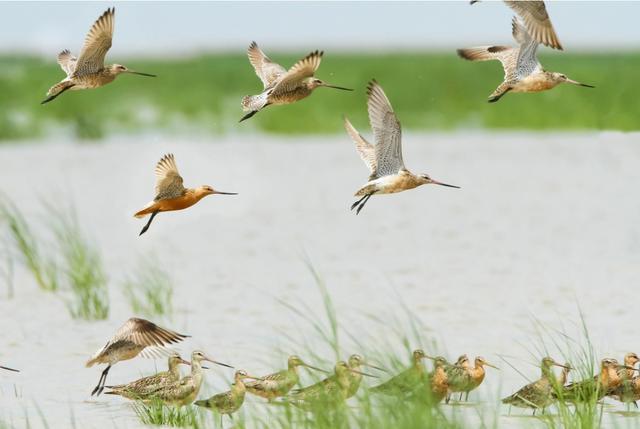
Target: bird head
x=205 y=190
x=313 y=83
x=480 y=362
x=117 y=69
x=631 y=359
x=295 y=361
x=562 y=78
x=426 y=180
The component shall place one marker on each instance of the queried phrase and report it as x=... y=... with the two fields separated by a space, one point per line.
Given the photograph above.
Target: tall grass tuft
x=82 y=269
x=7 y=272
x=44 y=270
x=150 y=290
x=156 y=413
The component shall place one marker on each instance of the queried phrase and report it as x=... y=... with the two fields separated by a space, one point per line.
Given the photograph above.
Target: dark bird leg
x=635 y=403
x=501 y=90
x=447 y=399
x=103 y=379
x=52 y=97
x=466 y=397
x=534 y=411
x=248 y=115
x=460 y=398
x=363 y=203
x=146 y=227
x=353 y=206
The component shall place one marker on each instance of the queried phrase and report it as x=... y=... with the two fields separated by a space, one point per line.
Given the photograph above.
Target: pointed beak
x=375 y=367
x=629 y=367
x=254 y=377
x=9 y=369
x=337 y=87
x=435 y=182
x=208 y=359
x=141 y=74
x=184 y=362
x=562 y=366
x=492 y=366
x=315 y=368
x=224 y=193
x=575 y=82
x=355 y=371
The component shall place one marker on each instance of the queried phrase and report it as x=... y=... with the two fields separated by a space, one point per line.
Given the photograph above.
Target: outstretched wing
x=67 y=62
x=96 y=45
x=507 y=56
x=146 y=334
x=386 y=131
x=267 y=70
x=535 y=17
x=365 y=149
x=527 y=61
x=168 y=180
x=304 y=68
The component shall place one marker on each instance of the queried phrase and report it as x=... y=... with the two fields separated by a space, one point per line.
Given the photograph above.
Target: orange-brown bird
x=170 y=192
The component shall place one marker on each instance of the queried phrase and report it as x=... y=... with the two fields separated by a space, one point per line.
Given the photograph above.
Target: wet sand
x=543 y=224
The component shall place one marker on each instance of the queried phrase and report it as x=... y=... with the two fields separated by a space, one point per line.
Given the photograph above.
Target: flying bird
x=88 y=70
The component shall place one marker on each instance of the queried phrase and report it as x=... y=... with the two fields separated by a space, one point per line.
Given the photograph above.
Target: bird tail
x=146 y=210
x=202 y=403
x=482 y=53
x=58 y=89
x=254 y=102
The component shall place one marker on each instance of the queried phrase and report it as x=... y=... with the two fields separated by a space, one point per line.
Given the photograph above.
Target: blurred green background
x=429 y=92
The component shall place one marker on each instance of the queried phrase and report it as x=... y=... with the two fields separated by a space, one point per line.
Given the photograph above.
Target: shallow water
x=543 y=224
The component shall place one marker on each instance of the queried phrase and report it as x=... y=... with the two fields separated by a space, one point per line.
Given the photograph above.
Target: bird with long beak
x=171 y=193
x=384 y=158
x=88 y=70
x=522 y=70
x=538 y=394
x=143 y=388
x=355 y=378
x=279 y=383
x=282 y=86
x=600 y=385
x=185 y=391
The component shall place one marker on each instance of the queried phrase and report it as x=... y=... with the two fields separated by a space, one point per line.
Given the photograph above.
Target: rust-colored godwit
x=88 y=70
x=171 y=193
x=282 y=86
x=522 y=70
x=133 y=338
x=384 y=158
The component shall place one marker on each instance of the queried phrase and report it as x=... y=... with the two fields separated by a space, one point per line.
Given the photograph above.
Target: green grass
x=42 y=268
x=429 y=91
x=82 y=269
x=158 y=414
x=150 y=290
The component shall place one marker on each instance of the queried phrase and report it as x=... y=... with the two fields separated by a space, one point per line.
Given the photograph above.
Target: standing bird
x=536 y=19
x=228 y=402
x=282 y=86
x=457 y=376
x=185 y=391
x=355 y=378
x=279 y=383
x=143 y=388
x=564 y=375
x=522 y=70
x=475 y=376
x=598 y=386
x=437 y=381
x=384 y=159
x=171 y=193
x=88 y=70
x=130 y=340
x=408 y=380
x=630 y=360
x=331 y=391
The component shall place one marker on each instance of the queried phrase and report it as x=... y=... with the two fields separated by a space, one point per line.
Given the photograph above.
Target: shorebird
x=475 y=375
x=522 y=70
x=88 y=70
x=279 y=383
x=185 y=391
x=598 y=386
x=564 y=375
x=136 y=336
x=143 y=388
x=457 y=376
x=282 y=86
x=9 y=369
x=384 y=159
x=438 y=383
x=630 y=360
x=628 y=391
x=408 y=380
x=536 y=19
x=538 y=394
x=355 y=378
x=229 y=402
x=330 y=392
x=171 y=193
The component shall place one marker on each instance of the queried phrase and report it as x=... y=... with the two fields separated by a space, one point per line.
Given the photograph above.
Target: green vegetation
x=156 y=413
x=43 y=269
x=82 y=268
x=150 y=290
x=430 y=91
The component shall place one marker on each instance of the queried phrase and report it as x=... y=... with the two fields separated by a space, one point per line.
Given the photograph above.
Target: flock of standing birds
x=522 y=73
